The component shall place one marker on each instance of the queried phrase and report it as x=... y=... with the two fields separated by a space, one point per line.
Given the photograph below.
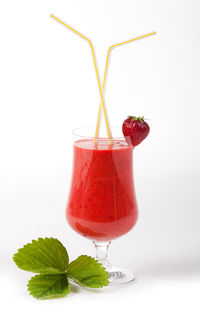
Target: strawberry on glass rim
x=135 y=130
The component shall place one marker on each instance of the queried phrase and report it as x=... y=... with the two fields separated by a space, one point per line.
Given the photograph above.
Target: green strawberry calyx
x=139 y=119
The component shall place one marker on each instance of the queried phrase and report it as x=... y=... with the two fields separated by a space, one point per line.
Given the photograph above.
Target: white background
x=48 y=87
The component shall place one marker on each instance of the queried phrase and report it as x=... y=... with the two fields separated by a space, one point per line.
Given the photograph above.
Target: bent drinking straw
x=97 y=75
x=106 y=70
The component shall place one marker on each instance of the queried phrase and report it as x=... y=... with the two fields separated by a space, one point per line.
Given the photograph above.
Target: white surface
x=48 y=87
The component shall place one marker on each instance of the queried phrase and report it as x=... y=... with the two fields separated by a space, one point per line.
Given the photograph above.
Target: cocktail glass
x=102 y=204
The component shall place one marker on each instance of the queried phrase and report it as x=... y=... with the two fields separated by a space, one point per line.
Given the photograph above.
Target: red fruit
x=135 y=130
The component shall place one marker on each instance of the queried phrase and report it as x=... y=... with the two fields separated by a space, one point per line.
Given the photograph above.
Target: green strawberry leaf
x=86 y=271
x=49 y=286
x=46 y=256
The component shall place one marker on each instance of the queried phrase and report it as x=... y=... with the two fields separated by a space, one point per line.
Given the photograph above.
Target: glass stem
x=102 y=252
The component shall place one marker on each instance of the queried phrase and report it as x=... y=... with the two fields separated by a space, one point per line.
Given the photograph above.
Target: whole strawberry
x=135 y=130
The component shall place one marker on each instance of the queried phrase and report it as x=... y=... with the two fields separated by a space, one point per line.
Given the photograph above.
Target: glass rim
x=74 y=132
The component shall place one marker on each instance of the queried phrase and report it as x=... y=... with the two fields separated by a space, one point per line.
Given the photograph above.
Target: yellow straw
x=106 y=69
x=97 y=74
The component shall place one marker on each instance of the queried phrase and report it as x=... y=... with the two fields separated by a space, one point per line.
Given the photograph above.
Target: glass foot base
x=118 y=276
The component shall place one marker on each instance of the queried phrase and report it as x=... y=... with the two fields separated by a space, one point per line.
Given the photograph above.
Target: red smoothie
x=102 y=203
